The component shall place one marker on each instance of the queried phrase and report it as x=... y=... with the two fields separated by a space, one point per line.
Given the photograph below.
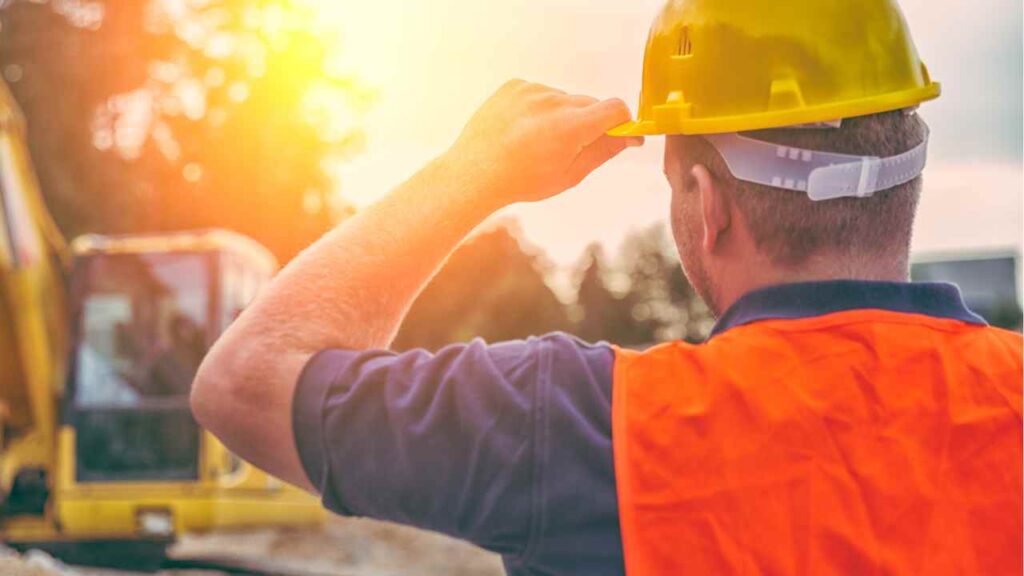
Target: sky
x=434 y=61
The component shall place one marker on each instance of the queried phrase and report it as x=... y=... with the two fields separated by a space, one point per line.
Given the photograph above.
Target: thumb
x=597 y=154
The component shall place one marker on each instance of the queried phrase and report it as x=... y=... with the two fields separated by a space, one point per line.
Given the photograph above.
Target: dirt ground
x=343 y=547
x=352 y=547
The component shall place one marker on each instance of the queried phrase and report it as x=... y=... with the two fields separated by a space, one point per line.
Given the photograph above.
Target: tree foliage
x=662 y=297
x=162 y=115
x=602 y=313
x=494 y=289
x=654 y=301
x=491 y=288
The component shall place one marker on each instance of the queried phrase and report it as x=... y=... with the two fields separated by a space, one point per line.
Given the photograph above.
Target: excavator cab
x=144 y=312
x=142 y=321
x=143 y=326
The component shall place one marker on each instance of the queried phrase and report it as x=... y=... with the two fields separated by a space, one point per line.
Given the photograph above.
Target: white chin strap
x=822 y=175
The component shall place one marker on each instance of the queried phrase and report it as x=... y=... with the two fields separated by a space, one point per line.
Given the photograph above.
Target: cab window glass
x=231 y=288
x=143 y=326
x=239 y=286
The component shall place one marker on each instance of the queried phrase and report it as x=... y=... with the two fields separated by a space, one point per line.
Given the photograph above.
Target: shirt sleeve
x=499 y=445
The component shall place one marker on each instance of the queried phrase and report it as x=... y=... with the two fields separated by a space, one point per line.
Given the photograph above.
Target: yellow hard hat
x=719 y=66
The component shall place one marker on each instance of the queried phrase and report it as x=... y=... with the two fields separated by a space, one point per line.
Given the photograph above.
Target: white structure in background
x=989 y=281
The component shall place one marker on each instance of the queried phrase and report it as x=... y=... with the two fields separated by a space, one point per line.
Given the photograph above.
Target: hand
x=530 y=142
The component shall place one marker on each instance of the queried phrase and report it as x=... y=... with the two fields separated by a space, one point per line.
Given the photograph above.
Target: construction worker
x=838 y=421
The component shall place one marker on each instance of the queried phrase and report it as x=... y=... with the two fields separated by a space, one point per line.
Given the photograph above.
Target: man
x=839 y=420
x=172 y=370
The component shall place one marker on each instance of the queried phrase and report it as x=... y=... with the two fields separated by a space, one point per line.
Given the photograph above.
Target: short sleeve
x=463 y=442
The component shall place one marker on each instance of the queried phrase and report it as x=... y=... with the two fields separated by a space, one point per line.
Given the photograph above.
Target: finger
x=597 y=154
x=581 y=101
x=565 y=102
x=602 y=117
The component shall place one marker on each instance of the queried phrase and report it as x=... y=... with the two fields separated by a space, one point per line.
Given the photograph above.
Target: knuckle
x=543 y=91
x=530 y=88
x=512 y=85
x=550 y=97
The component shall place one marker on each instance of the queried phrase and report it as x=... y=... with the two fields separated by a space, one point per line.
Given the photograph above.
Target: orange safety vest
x=858 y=442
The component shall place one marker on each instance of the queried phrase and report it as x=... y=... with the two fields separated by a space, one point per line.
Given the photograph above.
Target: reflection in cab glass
x=143 y=325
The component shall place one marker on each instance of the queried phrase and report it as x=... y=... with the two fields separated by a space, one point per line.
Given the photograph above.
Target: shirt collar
x=808 y=300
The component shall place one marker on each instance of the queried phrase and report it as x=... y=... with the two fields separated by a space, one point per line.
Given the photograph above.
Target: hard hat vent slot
x=685 y=44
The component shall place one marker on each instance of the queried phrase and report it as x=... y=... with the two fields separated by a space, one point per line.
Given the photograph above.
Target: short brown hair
x=790 y=228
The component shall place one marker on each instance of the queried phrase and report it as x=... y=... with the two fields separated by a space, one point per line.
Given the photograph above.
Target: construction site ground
x=343 y=547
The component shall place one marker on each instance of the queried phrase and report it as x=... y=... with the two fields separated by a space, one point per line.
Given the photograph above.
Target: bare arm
x=353 y=287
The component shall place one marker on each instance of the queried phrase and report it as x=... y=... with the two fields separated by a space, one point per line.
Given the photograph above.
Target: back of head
x=789 y=228
x=734 y=85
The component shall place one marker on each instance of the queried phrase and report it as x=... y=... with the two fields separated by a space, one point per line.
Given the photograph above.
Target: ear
x=714 y=207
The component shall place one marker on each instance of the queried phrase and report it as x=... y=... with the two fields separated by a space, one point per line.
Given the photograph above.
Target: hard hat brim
x=782 y=118
x=631 y=129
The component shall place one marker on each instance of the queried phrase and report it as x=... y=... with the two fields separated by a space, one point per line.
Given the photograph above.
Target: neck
x=740 y=280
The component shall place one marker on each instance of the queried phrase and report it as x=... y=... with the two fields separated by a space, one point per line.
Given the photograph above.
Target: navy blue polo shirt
x=509 y=446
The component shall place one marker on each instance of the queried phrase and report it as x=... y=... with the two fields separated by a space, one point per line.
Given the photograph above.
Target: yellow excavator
x=99 y=342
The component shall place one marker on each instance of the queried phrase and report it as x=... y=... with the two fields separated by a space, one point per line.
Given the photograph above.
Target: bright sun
x=351 y=31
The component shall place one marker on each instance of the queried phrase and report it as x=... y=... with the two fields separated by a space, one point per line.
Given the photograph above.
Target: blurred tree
x=490 y=288
x=603 y=314
x=160 y=115
x=642 y=299
x=660 y=294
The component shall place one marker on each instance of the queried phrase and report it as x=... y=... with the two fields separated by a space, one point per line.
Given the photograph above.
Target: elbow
x=216 y=386
x=204 y=394
x=244 y=386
